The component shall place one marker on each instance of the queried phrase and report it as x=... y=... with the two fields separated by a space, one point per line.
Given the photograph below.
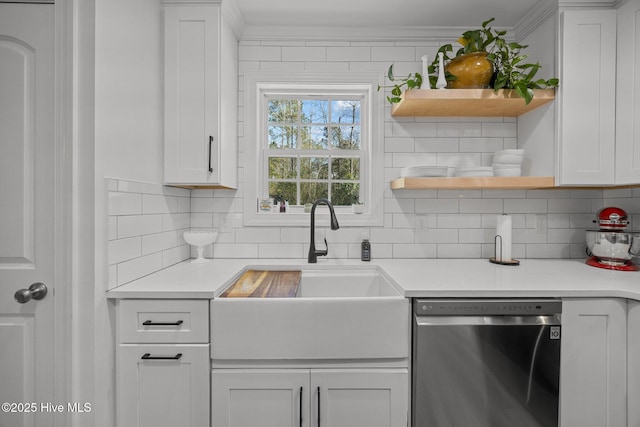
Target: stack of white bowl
x=508 y=162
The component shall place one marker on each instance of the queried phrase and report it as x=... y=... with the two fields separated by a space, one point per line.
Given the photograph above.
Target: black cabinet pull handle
x=148 y=356
x=152 y=323
x=210 y=144
x=300 y=409
x=318 y=406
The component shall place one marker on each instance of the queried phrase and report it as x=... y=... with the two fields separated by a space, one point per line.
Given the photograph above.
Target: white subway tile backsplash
x=124 y=203
x=124 y=249
x=349 y=53
x=449 y=130
x=393 y=54
x=146 y=220
x=415 y=250
x=459 y=251
x=154 y=204
x=138 y=267
x=137 y=225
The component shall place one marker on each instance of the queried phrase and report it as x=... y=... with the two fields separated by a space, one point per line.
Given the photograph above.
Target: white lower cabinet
x=163 y=385
x=309 y=398
x=162 y=363
x=593 y=368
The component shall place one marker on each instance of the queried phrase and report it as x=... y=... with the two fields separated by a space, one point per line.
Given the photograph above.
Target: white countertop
x=473 y=278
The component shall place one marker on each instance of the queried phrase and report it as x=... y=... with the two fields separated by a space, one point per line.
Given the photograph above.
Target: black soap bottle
x=366 y=250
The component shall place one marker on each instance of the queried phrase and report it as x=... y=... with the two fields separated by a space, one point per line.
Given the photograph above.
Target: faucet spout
x=313 y=253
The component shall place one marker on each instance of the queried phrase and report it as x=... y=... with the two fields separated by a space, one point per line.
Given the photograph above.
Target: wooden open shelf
x=468 y=102
x=464 y=183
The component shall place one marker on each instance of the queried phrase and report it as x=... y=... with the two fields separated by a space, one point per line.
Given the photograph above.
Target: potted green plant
x=507 y=67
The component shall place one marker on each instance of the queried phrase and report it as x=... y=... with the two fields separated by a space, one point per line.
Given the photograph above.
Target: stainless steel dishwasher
x=486 y=363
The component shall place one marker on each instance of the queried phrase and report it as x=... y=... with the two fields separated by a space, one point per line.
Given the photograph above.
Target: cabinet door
x=372 y=398
x=162 y=389
x=593 y=390
x=587 y=97
x=191 y=48
x=265 y=398
x=628 y=95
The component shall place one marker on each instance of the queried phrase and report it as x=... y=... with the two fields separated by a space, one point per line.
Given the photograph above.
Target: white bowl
x=473 y=171
x=507 y=172
x=423 y=171
x=507 y=159
x=200 y=239
x=511 y=151
x=505 y=166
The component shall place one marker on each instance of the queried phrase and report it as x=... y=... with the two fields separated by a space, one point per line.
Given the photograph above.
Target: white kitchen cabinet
x=587 y=97
x=628 y=94
x=633 y=367
x=162 y=363
x=309 y=398
x=593 y=367
x=200 y=95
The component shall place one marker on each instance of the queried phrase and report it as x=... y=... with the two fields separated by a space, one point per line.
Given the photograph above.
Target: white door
x=26 y=213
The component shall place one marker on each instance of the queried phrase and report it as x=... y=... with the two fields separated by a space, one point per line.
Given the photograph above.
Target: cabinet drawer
x=164 y=321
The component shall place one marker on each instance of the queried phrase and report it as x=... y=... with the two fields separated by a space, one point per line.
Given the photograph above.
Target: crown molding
x=230 y=11
x=327 y=33
x=542 y=11
x=234 y=17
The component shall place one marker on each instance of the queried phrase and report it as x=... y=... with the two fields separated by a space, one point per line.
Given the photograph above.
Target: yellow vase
x=472 y=71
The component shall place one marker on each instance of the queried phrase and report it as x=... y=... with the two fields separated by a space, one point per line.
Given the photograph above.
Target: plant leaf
x=390 y=72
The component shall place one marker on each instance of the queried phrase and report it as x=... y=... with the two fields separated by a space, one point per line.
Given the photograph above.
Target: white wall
x=128 y=144
x=129 y=90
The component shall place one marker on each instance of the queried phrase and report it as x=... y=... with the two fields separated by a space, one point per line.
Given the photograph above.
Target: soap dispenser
x=365 y=250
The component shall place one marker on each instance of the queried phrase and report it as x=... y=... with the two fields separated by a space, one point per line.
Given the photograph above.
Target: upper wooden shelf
x=468 y=102
x=464 y=183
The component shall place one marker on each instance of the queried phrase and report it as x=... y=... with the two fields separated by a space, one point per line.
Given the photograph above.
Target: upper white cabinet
x=599 y=116
x=590 y=135
x=587 y=113
x=628 y=93
x=200 y=98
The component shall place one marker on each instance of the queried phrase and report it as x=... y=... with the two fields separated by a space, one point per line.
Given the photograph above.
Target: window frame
x=259 y=87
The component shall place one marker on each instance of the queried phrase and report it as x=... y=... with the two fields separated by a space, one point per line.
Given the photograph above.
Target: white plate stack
x=423 y=171
x=508 y=162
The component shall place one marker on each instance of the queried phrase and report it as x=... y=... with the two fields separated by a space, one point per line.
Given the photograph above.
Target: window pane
x=345 y=168
x=314 y=111
x=283 y=110
x=314 y=168
x=345 y=193
x=345 y=111
x=345 y=137
x=314 y=137
x=282 y=167
x=283 y=137
x=283 y=191
x=311 y=191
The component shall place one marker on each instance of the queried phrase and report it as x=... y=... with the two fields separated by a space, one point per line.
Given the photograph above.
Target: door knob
x=36 y=291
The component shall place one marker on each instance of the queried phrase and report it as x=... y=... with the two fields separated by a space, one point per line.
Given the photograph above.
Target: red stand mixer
x=612 y=246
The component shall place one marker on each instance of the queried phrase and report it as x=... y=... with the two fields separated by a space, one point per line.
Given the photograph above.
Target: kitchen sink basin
x=345 y=284
x=337 y=313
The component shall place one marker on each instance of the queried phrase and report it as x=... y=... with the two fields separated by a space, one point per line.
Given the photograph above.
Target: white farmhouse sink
x=343 y=283
x=342 y=313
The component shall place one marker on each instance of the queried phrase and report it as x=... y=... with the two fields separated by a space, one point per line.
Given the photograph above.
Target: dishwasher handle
x=552 y=320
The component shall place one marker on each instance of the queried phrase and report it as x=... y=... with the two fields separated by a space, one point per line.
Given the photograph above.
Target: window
x=313 y=140
x=312 y=148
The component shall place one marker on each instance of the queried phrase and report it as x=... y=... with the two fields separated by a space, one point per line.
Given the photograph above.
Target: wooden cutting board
x=265 y=284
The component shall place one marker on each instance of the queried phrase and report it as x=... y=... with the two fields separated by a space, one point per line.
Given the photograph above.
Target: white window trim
x=256 y=83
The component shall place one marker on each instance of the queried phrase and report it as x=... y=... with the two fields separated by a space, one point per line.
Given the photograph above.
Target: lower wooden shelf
x=464 y=183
